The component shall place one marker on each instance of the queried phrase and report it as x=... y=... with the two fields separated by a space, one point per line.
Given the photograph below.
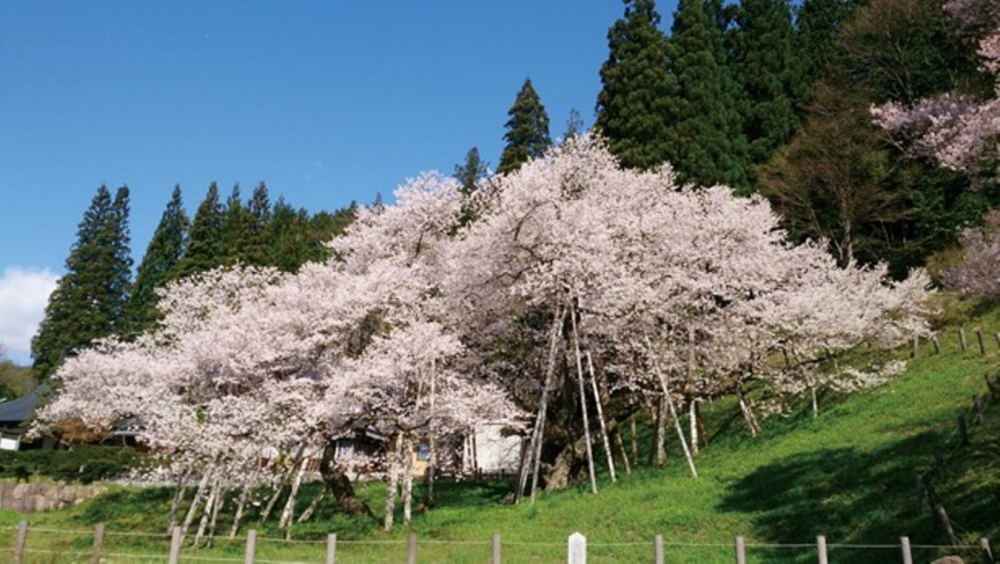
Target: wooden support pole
x=821 y=549
x=937 y=346
x=95 y=558
x=991 y=386
x=741 y=551
x=916 y=346
x=963 y=429
x=175 y=545
x=496 y=549
x=411 y=549
x=658 y=554
x=979 y=338
x=22 y=539
x=985 y=551
x=998 y=340
x=251 y=546
x=961 y=339
x=977 y=410
x=904 y=543
x=331 y=548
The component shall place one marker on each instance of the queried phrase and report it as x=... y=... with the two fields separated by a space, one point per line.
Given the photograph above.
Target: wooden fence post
x=741 y=551
x=916 y=346
x=22 y=539
x=985 y=551
x=251 y=546
x=937 y=346
x=998 y=340
x=95 y=558
x=577 y=549
x=992 y=387
x=979 y=337
x=904 y=543
x=961 y=338
x=411 y=549
x=175 y=545
x=331 y=548
x=977 y=410
x=658 y=554
x=496 y=548
x=821 y=549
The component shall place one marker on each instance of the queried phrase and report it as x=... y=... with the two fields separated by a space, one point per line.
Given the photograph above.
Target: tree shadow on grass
x=849 y=496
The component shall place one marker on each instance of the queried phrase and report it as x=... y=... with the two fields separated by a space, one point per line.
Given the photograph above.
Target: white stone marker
x=577 y=549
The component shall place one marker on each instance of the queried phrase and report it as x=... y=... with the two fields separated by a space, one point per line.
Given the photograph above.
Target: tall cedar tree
x=205 y=246
x=707 y=145
x=259 y=208
x=841 y=179
x=632 y=106
x=159 y=263
x=89 y=300
x=766 y=67
x=469 y=174
x=816 y=25
x=527 y=134
x=234 y=229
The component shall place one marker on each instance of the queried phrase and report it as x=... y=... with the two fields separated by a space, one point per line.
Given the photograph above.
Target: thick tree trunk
x=339 y=484
x=600 y=418
x=583 y=401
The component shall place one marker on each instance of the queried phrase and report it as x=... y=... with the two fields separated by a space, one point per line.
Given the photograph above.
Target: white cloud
x=24 y=293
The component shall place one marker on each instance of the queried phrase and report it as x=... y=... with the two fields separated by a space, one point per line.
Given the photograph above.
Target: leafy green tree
x=89 y=300
x=527 y=134
x=633 y=104
x=765 y=66
x=159 y=263
x=706 y=144
x=205 y=249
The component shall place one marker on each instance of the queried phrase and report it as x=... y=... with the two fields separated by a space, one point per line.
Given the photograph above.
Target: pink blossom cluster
x=957 y=130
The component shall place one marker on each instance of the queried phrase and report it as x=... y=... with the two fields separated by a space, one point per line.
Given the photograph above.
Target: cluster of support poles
x=531 y=463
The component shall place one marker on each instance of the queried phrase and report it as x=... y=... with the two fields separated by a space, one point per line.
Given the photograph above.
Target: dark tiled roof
x=20 y=409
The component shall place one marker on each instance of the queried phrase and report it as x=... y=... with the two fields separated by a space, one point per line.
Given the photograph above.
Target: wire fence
x=38 y=545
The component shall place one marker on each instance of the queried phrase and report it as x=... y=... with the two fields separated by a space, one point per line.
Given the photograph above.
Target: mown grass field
x=849 y=474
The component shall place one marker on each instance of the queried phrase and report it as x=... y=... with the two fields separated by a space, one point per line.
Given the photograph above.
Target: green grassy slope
x=850 y=474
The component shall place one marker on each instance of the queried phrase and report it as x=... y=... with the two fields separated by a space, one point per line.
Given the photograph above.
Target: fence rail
x=495 y=549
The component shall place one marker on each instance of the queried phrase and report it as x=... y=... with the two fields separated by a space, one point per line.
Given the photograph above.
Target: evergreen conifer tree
x=288 y=234
x=766 y=68
x=469 y=174
x=706 y=141
x=89 y=300
x=205 y=249
x=235 y=229
x=259 y=215
x=527 y=130
x=632 y=106
x=158 y=265
x=816 y=25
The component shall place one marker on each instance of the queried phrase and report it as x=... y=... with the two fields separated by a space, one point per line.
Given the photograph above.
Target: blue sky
x=327 y=102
